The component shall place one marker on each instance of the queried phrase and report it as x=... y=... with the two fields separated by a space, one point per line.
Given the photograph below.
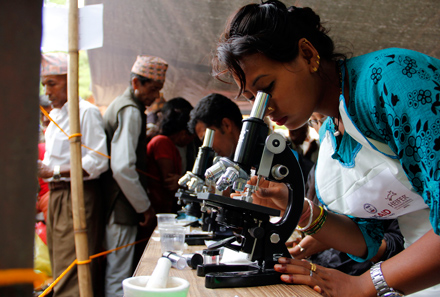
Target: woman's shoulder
x=386 y=57
x=158 y=139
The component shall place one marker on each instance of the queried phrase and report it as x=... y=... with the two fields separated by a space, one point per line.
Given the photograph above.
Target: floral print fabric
x=395 y=99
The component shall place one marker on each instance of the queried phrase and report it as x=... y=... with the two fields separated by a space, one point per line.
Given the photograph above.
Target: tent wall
x=20 y=38
x=185 y=33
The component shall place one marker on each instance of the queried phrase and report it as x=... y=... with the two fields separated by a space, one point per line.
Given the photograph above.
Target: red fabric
x=162 y=147
x=40 y=229
x=43 y=204
x=44 y=187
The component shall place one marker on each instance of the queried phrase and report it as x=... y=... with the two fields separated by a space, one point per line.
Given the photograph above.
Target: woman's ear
x=308 y=52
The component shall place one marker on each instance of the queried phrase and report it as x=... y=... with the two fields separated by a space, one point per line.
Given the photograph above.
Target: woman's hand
x=327 y=282
x=307 y=247
x=270 y=194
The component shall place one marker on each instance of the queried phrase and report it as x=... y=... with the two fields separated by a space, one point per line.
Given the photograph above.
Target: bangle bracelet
x=310 y=218
x=318 y=225
x=321 y=213
x=305 y=214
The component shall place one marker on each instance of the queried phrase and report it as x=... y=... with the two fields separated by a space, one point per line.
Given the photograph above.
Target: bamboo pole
x=76 y=173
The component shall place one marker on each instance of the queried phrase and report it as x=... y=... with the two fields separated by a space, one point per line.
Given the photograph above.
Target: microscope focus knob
x=256 y=232
x=275 y=143
x=279 y=171
x=275 y=238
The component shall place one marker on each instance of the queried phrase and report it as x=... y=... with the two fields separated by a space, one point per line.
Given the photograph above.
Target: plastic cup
x=166 y=219
x=172 y=239
x=136 y=287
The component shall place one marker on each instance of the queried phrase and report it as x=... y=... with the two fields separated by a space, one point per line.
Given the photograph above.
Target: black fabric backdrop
x=184 y=33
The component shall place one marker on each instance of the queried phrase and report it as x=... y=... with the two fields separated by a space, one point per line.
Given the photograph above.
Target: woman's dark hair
x=272 y=29
x=175 y=116
x=176 y=103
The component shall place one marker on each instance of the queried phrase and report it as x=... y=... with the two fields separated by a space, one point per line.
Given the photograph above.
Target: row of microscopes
x=238 y=224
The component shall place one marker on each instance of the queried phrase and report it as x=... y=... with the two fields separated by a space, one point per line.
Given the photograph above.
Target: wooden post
x=76 y=173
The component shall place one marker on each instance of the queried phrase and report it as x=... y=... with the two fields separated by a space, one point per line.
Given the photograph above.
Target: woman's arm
x=167 y=174
x=412 y=270
x=415 y=268
x=338 y=232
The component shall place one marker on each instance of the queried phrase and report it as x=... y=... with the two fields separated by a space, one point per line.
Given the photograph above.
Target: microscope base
x=204 y=269
x=236 y=276
x=239 y=279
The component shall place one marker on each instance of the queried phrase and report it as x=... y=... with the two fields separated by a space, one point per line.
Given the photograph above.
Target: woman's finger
x=327 y=282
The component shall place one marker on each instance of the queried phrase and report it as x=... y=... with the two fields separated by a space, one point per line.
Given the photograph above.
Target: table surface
x=197 y=287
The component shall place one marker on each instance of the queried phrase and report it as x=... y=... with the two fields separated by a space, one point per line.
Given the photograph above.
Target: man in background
x=222 y=115
x=55 y=169
x=128 y=204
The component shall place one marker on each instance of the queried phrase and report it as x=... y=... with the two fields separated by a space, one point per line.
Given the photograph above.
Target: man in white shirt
x=55 y=169
x=128 y=204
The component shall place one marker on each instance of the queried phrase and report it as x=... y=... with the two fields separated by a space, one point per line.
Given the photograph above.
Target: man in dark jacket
x=127 y=201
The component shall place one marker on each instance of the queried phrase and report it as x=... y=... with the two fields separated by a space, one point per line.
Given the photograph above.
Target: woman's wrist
x=305 y=214
x=306 y=217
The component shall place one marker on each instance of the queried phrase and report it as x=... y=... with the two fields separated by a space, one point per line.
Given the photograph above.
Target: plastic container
x=211 y=256
x=166 y=219
x=172 y=239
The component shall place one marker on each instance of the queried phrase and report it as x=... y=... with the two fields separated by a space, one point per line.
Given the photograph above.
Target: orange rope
x=71 y=136
x=48 y=289
x=76 y=262
x=74 y=135
x=79 y=135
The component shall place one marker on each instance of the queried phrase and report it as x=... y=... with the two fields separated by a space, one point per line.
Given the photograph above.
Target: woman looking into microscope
x=380 y=146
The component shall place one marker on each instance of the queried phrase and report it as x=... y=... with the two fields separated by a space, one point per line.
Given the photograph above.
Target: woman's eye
x=269 y=88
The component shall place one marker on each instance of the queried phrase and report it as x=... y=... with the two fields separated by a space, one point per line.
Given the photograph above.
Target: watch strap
x=382 y=288
x=56 y=173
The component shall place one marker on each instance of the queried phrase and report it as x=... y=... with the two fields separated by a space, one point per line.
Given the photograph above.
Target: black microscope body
x=254 y=232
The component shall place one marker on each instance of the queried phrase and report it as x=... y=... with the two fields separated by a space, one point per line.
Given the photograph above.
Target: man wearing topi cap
x=55 y=169
x=127 y=201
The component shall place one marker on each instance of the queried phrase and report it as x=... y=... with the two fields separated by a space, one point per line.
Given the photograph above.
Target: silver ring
x=300 y=248
x=311 y=272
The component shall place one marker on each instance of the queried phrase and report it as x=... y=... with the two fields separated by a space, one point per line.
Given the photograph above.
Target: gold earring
x=270 y=108
x=318 y=57
x=317 y=62
x=314 y=69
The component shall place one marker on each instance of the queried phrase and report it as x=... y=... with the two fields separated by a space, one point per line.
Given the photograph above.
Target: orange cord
x=79 y=135
x=48 y=289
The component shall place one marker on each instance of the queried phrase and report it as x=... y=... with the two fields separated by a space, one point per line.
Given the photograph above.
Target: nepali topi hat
x=54 y=64
x=150 y=67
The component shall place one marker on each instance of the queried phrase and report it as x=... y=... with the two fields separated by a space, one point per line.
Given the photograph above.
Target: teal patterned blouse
x=395 y=99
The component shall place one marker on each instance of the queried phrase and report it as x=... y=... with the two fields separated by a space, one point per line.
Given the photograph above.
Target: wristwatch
x=382 y=288
x=56 y=173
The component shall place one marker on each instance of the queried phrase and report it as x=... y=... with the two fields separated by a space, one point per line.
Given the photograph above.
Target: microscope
x=254 y=232
x=195 y=182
